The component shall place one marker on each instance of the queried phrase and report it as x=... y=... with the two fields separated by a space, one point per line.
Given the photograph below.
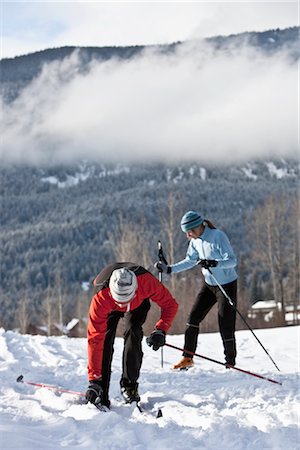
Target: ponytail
x=209 y=224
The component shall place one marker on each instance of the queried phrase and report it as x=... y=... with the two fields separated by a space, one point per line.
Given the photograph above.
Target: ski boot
x=185 y=364
x=130 y=393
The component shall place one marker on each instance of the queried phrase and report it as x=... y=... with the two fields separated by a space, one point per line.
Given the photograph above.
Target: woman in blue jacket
x=210 y=248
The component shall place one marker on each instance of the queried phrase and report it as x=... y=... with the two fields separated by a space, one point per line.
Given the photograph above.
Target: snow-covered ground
x=207 y=407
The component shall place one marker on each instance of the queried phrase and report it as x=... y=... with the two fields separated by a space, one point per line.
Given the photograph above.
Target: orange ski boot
x=184 y=364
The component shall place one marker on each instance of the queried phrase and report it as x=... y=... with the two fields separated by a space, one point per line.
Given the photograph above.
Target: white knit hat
x=122 y=285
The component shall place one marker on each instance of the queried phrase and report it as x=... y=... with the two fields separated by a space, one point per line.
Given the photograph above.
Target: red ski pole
x=20 y=379
x=224 y=364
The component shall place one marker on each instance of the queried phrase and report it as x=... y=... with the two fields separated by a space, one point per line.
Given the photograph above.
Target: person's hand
x=207 y=263
x=156 y=339
x=162 y=267
x=94 y=392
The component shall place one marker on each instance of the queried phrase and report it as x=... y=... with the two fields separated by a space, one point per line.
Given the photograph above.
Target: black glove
x=162 y=267
x=206 y=263
x=94 y=392
x=156 y=339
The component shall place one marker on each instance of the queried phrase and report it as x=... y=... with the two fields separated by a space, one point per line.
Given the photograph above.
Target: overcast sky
x=30 y=26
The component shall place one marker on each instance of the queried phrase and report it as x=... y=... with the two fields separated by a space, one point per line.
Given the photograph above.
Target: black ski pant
x=205 y=300
x=132 y=352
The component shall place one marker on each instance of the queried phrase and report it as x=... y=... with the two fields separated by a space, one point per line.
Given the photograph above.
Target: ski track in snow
x=207 y=407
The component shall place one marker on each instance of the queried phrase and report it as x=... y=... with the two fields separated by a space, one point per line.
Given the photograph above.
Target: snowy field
x=207 y=407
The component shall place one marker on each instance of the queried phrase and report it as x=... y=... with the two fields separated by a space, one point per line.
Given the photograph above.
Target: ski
x=182 y=369
x=139 y=407
x=157 y=414
x=136 y=405
x=102 y=408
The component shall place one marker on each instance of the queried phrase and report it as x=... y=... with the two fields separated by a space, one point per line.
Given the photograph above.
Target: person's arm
x=188 y=262
x=97 y=327
x=157 y=292
x=227 y=258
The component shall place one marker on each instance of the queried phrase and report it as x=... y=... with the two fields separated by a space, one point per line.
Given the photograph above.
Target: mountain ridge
x=18 y=71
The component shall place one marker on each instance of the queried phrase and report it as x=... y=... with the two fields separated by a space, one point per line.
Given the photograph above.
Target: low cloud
x=194 y=104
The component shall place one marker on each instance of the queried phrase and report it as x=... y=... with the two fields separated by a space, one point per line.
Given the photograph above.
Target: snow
x=85 y=286
x=266 y=304
x=202 y=173
x=84 y=174
x=70 y=181
x=248 y=172
x=207 y=407
x=277 y=172
x=201 y=170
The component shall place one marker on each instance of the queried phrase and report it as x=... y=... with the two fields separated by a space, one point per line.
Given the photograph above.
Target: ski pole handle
x=161 y=256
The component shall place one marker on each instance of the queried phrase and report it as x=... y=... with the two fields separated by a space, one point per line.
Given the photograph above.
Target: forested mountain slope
x=71 y=220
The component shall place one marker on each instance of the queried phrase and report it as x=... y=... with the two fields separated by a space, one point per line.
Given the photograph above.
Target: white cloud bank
x=191 y=105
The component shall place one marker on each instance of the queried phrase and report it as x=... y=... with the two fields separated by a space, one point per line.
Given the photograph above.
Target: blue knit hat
x=191 y=220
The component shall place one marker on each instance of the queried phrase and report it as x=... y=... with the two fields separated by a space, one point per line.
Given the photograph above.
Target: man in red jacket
x=123 y=289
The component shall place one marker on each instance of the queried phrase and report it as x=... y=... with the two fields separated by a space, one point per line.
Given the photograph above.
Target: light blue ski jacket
x=212 y=244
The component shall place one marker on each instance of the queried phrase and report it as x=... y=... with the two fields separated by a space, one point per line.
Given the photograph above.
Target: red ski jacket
x=102 y=305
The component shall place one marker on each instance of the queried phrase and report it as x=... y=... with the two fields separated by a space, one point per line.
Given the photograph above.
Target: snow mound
x=207 y=407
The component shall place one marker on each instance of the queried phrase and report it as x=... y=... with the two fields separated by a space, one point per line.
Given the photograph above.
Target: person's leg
x=227 y=318
x=203 y=304
x=108 y=351
x=133 y=335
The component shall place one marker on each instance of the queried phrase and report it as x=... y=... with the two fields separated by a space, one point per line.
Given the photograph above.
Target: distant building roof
x=266 y=304
x=72 y=324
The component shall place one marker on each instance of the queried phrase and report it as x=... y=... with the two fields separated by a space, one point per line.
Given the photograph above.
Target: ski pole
x=161 y=258
x=224 y=364
x=243 y=319
x=20 y=379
